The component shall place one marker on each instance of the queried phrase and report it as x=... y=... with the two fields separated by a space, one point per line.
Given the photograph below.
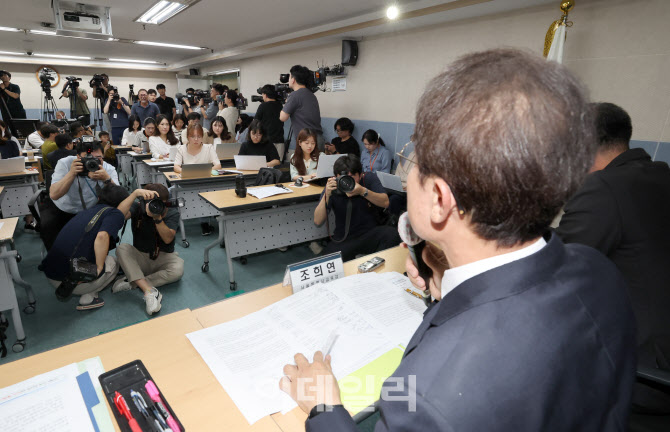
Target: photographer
x=100 y=84
x=268 y=113
x=183 y=104
x=227 y=109
x=151 y=261
x=165 y=104
x=79 y=262
x=116 y=107
x=358 y=209
x=302 y=106
x=210 y=111
x=65 y=149
x=11 y=95
x=78 y=98
x=144 y=109
x=75 y=187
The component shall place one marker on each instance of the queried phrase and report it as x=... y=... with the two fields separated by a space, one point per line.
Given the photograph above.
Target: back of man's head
x=39 y=125
x=348 y=164
x=613 y=126
x=163 y=192
x=160 y=87
x=76 y=128
x=194 y=115
x=512 y=135
x=269 y=91
x=48 y=129
x=112 y=195
x=219 y=88
x=62 y=140
x=301 y=74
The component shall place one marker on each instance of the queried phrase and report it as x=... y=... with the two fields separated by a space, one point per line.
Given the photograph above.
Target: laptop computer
x=189 y=171
x=227 y=150
x=12 y=165
x=250 y=163
x=325 y=167
x=390 y=181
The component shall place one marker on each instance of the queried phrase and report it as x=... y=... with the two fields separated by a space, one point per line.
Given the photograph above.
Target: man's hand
x=145 y=194
x=437 y=262
x=330 y=148
x=330 y=187
x=311 y=384
x=2 y=86
x=358 y=190
x=100 y=174
x=76 y=167
x=221 y=105
x=201 y=102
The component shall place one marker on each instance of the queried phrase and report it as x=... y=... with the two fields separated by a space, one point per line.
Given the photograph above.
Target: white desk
x=19 y=188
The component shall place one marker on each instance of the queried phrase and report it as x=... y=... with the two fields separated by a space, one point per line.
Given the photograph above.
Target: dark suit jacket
x=624 y=212
x=545 y=343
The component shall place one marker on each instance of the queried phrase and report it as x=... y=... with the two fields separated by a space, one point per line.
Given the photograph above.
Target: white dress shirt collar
x=457 y=275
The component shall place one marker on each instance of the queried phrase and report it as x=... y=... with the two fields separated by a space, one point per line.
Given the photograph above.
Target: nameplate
x=311 y=272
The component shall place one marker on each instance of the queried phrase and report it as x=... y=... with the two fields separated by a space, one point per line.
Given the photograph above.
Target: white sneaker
x=315 y=247
x=153 y=301
x=121 y=284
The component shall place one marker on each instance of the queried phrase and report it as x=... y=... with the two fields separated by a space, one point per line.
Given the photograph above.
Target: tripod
x=48 y=107
x=7 y=117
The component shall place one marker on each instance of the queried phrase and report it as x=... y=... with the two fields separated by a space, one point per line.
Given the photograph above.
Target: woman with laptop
x=178 y=124
x=219 y=133
x=375 y=157
x=163 y=141
x=306 y=158
x=131 y=132
x=259 y=145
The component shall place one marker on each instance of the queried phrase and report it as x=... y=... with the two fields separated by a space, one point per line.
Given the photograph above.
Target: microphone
x=415 y=245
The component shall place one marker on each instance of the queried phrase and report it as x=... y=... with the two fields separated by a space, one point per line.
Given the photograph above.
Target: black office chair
x=268 y=176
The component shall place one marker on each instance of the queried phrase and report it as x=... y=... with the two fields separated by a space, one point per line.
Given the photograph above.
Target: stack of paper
x=268 y=191
x=65 y=399
x=371 y=314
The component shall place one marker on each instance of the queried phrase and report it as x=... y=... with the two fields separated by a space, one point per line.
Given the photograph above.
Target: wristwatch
x=365 y=194
x=108 y=181
x=159 y=221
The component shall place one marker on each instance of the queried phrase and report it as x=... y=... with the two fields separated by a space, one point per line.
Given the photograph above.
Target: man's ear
x=443 y=202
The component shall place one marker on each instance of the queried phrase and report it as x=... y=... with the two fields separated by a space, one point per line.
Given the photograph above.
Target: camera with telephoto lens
x=204 y=95
x=45 y=80
x=157 y=206
x=90 y=162
x=96 y=81
x=81 y=271
x=116 y=96
x=345 y=184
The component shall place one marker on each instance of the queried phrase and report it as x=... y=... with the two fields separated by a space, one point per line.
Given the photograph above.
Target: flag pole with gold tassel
x=555 y=38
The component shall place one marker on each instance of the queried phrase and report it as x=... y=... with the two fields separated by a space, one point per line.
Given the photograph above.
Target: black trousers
x=52 y=220
x=375 y=240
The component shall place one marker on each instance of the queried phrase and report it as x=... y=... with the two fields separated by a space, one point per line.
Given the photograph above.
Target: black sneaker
x=206 y=229
x=30 y=227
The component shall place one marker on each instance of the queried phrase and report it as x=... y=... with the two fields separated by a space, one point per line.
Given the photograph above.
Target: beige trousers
x=165 y=269
x=93 y=288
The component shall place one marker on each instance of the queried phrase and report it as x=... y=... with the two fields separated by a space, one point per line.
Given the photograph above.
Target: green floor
x=55 y=324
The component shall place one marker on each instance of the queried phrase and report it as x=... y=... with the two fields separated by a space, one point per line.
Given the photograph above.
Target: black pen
x=159 y=417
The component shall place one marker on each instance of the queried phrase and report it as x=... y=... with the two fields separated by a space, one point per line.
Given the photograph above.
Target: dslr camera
x=157 y=206
x=116 y=96
x=81 y=271
x=90 y=162
x=345 y=184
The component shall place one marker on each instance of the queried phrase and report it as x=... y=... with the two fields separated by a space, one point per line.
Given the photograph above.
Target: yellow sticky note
x=363 y=387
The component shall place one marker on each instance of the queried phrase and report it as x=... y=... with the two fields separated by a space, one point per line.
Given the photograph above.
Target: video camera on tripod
x=72 y=84
x=45 y=80
x=96 y=83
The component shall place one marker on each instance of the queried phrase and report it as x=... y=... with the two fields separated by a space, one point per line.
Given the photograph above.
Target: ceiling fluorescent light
x=61 y=56
x=167 y=45
x=43 y=32
x=9 y=29
x=161 y=12
x=11 y=53
x=223 y=72
x=132 y=61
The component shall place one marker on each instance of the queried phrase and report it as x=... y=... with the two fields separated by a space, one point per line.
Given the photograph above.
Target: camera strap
x=347 y=222
x=89 y=227
x=81 y=194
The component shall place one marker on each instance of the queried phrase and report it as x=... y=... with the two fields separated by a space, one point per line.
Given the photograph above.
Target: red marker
x=122 y=406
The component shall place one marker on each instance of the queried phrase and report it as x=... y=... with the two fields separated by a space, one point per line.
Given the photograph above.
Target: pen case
x=129 y=376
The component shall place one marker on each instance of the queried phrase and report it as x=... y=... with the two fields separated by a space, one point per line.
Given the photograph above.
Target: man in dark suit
x=623 y=210
x=527 y=333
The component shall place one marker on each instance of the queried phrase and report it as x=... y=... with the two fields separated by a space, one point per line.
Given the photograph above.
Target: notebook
x=390 y=181
x=250 y=163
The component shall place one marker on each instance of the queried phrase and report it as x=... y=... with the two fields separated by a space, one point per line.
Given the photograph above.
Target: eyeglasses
x=411 y=162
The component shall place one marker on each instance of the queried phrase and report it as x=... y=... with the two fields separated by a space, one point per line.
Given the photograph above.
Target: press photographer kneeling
x=75 y=186
x=79 y=262
x=151 y=262
x=356 y=199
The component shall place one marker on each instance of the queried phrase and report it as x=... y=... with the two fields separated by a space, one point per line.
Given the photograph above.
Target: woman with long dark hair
x=130 y=133
x=375 y=157
x=9 y=146
x=306 y=157
x=219 y=132
x=259 y=145
x=163 y=138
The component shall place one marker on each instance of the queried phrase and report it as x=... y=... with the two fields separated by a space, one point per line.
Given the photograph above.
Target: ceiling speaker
x=349 y=53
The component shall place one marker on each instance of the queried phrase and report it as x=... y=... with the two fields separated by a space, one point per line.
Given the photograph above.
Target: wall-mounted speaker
x=194 y=72
x=349 y=53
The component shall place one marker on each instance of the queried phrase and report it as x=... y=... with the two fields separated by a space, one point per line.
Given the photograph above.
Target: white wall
x=619 y=48
x=31 y=93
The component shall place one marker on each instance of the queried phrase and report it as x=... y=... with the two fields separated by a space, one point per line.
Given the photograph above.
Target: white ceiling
x=229 y=28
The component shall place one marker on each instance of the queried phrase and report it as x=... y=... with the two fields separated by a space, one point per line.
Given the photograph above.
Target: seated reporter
x=65 y=149
x=74 y=190
x=35 y=139
x=258 y=145
x=105 y=219
x=151 y=261
x=366 y=200
x=49 y=133
x=527 y=333
x=163 y=141
x=375 y=157
x=9 y=146
x=142 y=138
x=305 y=160
x=194 y=118
x=220 y=134
x=344 y=143
x=130 y=133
